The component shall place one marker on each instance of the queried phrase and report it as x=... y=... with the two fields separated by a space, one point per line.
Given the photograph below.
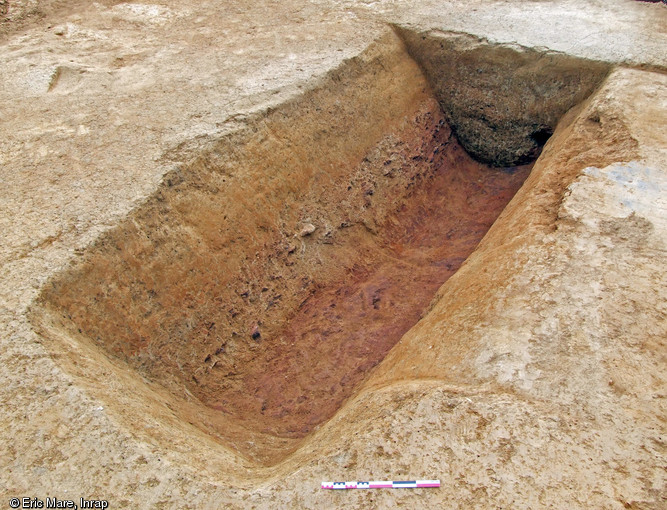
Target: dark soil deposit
x=263 y=281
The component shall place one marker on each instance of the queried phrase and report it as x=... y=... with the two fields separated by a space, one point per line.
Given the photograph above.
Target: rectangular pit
x=257 y=287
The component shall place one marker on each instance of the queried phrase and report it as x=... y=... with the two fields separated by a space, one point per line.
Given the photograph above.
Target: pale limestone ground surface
x=555 y=396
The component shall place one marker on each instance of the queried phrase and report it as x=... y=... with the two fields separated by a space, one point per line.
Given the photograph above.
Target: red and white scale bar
x=375 y=484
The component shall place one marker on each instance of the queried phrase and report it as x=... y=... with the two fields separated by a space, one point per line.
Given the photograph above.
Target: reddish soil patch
x=267 y=279
x=299 y=378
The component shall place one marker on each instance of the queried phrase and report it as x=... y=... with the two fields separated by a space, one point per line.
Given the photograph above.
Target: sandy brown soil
x=223 y=287
x=534 y=378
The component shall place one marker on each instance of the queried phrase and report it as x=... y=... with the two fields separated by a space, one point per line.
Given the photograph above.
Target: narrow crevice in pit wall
x=259 y=285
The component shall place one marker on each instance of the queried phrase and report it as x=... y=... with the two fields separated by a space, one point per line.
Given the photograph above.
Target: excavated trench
x=259 y=285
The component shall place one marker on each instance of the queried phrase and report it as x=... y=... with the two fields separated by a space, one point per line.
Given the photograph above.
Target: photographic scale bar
x=375 y=484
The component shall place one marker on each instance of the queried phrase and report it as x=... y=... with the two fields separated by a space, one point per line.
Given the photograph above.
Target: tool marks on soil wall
x=260 y=283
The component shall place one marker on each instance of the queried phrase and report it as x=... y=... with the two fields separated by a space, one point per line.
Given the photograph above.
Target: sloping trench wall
x=234 y=284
